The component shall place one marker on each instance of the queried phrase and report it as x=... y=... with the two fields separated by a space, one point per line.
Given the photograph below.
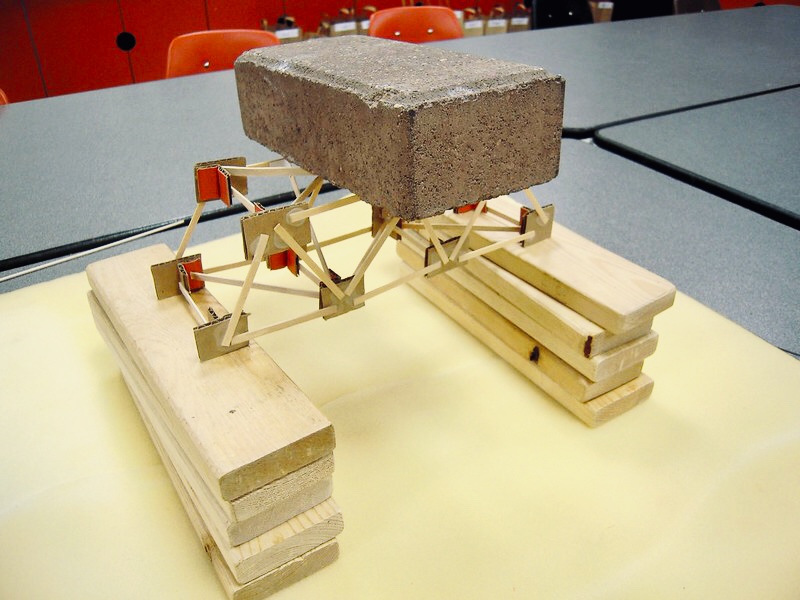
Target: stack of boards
x=249 y=455
x=571 y=316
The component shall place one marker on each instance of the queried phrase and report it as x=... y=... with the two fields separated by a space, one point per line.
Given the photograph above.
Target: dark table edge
x=732 y=195
x=32 y=258
x=593 y=131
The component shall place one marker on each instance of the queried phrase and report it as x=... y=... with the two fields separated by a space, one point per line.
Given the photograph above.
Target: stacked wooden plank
x=571 y=316
x=250 y=457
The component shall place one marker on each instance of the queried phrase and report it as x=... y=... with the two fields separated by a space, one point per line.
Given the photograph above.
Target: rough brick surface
x=412 y=129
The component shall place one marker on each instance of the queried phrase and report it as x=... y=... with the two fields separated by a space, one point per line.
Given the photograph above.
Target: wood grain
x=596 y=368
x=305 y=529
x=593 y=412
x=613 y=292
x=242 y=422
x=573 y=386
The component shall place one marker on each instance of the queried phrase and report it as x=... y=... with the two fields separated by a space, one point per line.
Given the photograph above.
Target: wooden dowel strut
x=496 y=246
x=472 y=219
x=198 y=210
x=193 y=308
x=418 y=227
x=371 y=253
x=503 y=216
x=300 y=251
x=246 y=337
x=308 y=273
x=397 y=282
x=536 y=206
x=312 y=188
x=256 y=286
x=236 y=313
x=437 y=244
x=218 y=268
x=298 y=217
x=243 y=200
x=264 y=171
x=345 y=236
x=318 y=248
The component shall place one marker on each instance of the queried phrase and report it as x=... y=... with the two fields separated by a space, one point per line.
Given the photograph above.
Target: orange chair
x=415 y=24
x=205 y=51
x=3 y=98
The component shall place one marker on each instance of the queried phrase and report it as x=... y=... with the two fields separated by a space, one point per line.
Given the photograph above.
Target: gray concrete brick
x=410 y=128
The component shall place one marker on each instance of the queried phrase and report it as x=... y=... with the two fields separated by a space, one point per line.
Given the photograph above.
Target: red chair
x=416 y=24
x=216 y=50
x=3 y=98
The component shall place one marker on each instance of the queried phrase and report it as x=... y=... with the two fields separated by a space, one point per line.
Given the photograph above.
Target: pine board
x=607 y=289
x=304 y=531
x=218 y=515
x=573 y=331
x=600 y=367
x=593 y=412
x=573 y=385
x=242 y=422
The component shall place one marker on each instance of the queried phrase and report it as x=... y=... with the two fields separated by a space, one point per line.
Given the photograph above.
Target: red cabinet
x=51 y=47
x=76 y=44
x=154 y=24
x=19 y=71
x=244 y=14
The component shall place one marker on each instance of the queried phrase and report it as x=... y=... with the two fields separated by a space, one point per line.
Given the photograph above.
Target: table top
x=746 y=150
x=85 y=166
x=624 y=70
x=456 y=476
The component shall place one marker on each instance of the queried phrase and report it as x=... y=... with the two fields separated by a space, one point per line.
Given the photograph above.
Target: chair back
x=215 y=50
x=415 y=24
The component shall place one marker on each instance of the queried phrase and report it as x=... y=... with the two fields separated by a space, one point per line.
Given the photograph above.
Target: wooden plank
x=282 y=577
x=254 y=513
x=572 y=329
x=613 y=292
x=573 y=385
x=597 y=368
x=242 y=422
x=281 y=490
x=305 y=530
x=593 y=412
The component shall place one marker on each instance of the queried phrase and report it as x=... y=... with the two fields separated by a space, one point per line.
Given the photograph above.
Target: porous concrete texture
x=412 y=129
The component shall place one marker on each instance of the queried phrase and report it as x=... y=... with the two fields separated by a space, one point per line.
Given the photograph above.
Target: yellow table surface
x=457 y=477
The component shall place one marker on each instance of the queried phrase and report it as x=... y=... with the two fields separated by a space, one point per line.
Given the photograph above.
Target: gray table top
x=83 y=166
x=746 y=150
x=741 y=264
x=625 y=70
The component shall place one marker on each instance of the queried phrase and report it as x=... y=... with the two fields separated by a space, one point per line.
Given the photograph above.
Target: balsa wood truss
x=284 y=237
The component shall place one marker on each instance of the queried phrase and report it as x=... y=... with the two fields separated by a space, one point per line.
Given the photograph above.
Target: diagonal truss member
x=280 y=237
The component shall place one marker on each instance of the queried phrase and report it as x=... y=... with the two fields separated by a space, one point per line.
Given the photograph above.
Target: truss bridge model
x=430 y=144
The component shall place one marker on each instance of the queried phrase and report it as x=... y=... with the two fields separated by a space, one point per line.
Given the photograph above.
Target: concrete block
x=412 y=129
